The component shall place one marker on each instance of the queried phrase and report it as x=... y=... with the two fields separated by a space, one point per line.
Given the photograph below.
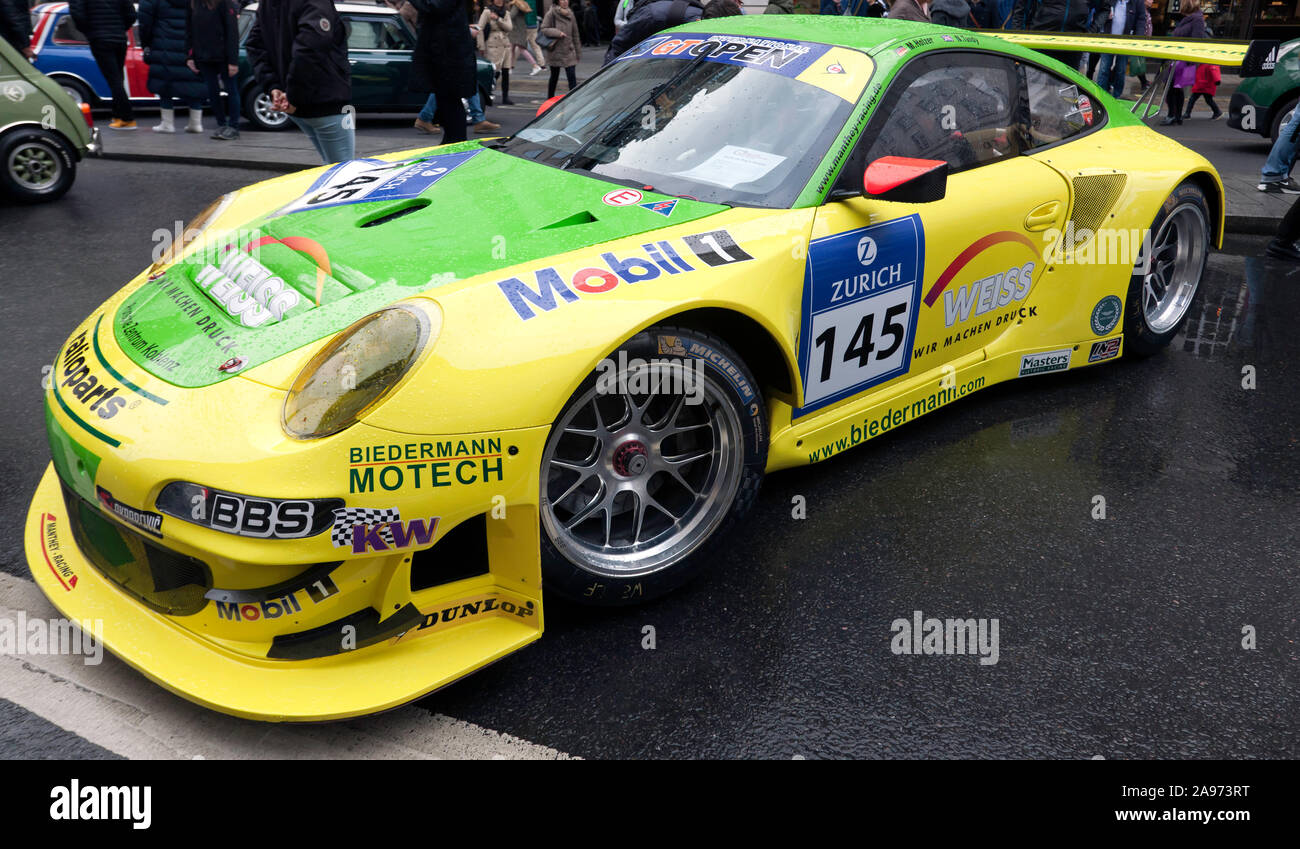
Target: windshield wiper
x=619 y=120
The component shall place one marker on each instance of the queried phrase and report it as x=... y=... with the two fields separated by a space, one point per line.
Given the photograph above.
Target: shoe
x=1187 y=116
x=426 y=127
x=505 y=101
x=196 y=121
x=485 y=126
x=1279 y=249
x=1280 y=187
x=1217 y=115
x=166 y=125
x=119 y=124
x=537 y=69
x=225 y=134
x=1172 y=119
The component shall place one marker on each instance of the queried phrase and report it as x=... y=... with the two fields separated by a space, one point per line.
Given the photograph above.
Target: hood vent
x=393 y=214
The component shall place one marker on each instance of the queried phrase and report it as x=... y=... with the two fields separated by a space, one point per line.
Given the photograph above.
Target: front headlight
x=192 y=231
x=354 y=372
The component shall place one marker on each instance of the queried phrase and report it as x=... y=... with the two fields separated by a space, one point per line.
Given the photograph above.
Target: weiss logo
x=867 y=250
x=993 y=292
x=92 y=802
x=247 y=289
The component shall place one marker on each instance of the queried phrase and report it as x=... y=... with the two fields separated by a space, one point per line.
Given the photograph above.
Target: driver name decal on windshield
x=369 y=180
x=788 y=58
x=861 y=291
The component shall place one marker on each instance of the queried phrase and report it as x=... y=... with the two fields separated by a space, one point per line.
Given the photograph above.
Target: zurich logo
x=866 y=250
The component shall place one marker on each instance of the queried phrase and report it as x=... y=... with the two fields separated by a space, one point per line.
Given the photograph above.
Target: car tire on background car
x=654 y=459
x=1164 y=283
x=77 y=90
x=257 y=108
x=1281 y=115
x=35 y=165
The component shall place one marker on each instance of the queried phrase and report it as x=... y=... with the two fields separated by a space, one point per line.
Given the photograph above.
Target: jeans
x=227 y=111
x=474 y=103
x=1282 y=156
x=111 y=59
x=571 y=74
x=331 y=134
x=1110 y=73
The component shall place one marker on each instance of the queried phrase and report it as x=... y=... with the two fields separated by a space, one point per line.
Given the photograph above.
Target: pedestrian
x=494 y=28
x=779 y=7
x=163 y=27
x=866 y=8
x=519 y=12
x=565 y=49
x=1053 y=16
x=1275 y=176
x=299 y=53
x=983 y=14
x=1283 y=245
x=648 y=18
x=1127 y=17
x=442 y=65
x=214 y=53
x=1205 y=85
x=909 y=10
x=105 y=23
x=951 y=13
x=16 y=26
x=1191 y=26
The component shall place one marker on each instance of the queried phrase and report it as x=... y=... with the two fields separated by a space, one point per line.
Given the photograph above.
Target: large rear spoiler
x=1255 y=58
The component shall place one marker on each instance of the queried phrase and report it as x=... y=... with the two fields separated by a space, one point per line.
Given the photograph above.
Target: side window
x=366 y=34
x=1057 y=108
x=396 y=36
x=66 y=32
x=963 y=108
x=245 y=24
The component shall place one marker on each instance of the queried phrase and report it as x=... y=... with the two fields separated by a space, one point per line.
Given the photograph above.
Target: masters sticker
x=1047 y=361
x=1105 y=316
x=860 y=296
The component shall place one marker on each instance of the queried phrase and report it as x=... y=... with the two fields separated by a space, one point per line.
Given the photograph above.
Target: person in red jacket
x=1206 y=84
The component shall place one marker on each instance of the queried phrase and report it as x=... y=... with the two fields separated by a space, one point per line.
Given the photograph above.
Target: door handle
x=1043 y=216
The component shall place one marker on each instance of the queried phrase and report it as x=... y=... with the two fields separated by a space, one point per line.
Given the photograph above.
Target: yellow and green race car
x=322 y=458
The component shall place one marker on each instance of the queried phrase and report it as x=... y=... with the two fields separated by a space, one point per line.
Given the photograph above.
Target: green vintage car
x=43 y=132
x=1264 y=104
x=379 y=49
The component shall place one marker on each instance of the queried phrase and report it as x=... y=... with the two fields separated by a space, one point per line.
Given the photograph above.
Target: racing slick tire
x=35 y=165
x=258 y=111
x=654 y=459
x=1164 y=284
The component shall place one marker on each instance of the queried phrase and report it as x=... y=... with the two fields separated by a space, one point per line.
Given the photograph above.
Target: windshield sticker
x=370 y=180
x=787 y=58
x=860 y=297
x=733 y=165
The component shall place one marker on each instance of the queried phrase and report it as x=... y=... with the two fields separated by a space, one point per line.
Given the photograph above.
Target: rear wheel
x=259 y=111
x=1166 y=280
x=35 y=165
x=78 y=91
x=656 y=457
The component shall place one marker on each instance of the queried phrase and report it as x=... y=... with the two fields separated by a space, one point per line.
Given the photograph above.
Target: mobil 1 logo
x=860 y=293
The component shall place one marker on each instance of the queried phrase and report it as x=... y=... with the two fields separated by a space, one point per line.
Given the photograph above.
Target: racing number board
x=860 y=295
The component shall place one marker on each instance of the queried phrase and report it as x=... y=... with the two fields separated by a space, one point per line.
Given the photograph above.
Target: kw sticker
x=366 y=530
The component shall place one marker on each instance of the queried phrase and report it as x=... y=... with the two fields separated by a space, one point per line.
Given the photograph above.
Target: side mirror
x=547 y=104
x=906 y=180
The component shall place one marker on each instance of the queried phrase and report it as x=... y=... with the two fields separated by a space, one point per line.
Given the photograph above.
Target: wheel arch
x=752 y=341
x=1209 y=183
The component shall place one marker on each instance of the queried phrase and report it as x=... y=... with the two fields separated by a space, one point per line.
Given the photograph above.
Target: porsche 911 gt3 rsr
x=321 y=458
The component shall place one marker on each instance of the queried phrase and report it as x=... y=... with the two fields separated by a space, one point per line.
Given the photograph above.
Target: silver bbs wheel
x=267 y=115
x=1173 y=270
x=34 y=166
x=633 y=482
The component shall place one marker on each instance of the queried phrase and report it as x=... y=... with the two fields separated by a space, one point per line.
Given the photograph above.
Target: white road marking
x=117 y=708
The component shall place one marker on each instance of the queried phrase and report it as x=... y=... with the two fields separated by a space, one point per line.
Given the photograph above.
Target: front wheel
x=654 y=459
x=1166 y=279
x=35 y=165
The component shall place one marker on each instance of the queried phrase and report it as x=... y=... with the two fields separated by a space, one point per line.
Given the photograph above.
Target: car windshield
x=717 y=118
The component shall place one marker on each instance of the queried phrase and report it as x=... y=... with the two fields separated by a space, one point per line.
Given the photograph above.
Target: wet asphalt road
x=1118 y=637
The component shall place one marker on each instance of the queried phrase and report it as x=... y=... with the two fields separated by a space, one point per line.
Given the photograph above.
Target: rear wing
x=1255 y=58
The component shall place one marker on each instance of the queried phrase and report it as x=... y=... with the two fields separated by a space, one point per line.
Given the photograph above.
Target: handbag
x=544 y=41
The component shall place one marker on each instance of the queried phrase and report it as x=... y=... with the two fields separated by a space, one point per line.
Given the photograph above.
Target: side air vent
x=1094 y=196
x=461 y=554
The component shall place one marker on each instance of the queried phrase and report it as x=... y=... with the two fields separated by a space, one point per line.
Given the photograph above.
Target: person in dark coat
x=105 y=24
x=1124 y=17
x=16 y=26
x=649 y=18
x=162 y=35
x=299 y=52
x=443 y=63
x=951 y=13
x=1053 y=15
x=214 y=54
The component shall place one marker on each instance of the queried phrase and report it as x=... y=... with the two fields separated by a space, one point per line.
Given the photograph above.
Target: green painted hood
x=364 y=234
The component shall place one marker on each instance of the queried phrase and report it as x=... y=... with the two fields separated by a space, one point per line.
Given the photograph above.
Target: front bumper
x=389 y=673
